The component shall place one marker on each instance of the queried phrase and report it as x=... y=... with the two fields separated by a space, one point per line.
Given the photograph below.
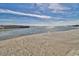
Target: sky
x=39 y=14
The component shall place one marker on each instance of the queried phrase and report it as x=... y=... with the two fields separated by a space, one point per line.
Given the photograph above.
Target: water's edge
x=29 y=31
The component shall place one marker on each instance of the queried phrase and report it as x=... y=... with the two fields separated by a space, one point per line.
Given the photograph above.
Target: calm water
x=20 y=32
x=28 y=31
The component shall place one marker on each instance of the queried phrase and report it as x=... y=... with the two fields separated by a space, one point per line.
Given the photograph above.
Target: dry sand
x=47 y=44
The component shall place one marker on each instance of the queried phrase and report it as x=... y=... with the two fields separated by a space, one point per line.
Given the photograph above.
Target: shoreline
x=34 y=34
x=50 y=44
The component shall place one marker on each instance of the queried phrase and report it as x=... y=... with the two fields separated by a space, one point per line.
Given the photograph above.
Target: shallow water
x=29 y=31
x=20 y=32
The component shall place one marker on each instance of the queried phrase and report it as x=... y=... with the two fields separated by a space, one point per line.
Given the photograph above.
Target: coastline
x=51 y=43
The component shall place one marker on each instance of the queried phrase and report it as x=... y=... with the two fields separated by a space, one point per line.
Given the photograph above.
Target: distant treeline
x=12 y=26
x=75 y=25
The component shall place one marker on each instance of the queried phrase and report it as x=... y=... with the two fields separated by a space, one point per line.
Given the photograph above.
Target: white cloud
x=25 y=14
x=57 y=8
x=53 y=7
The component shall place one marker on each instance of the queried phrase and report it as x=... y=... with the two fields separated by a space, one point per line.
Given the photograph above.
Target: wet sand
x=61 y=43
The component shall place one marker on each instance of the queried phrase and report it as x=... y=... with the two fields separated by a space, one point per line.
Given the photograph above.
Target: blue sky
x=40 y=14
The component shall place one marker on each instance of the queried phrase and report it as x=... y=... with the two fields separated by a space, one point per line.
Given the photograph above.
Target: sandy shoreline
x=51 y=43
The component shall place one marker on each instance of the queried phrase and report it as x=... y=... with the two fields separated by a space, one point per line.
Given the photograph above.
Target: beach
x=61 y=43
